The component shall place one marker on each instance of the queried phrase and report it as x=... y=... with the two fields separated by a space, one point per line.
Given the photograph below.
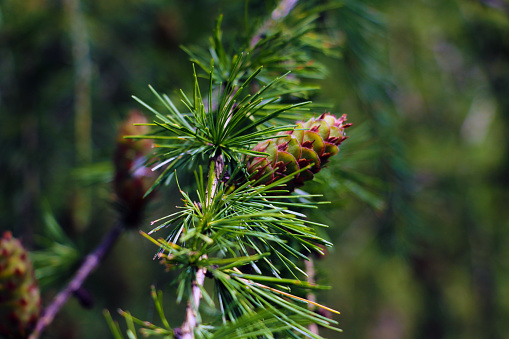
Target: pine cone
x=132 y=177
x=310 y=143
x=20 y=303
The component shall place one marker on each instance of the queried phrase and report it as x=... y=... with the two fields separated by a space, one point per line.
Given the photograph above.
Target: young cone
x=20 y=303
x=310 y=143
x=132 y=178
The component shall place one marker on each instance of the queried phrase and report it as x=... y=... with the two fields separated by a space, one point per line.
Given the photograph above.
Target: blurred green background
x=419 y=214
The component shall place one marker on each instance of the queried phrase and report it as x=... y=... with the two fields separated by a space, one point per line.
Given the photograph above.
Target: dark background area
x=419 y=214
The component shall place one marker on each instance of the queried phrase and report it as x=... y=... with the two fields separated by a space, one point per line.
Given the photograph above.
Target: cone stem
x=90 y=263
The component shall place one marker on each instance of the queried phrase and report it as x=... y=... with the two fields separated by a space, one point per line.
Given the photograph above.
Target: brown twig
x=281 y=11
x=192 y=306
x=90 y=263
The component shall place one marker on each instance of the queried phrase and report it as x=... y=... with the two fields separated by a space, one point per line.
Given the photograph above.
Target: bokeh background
x=420 y=196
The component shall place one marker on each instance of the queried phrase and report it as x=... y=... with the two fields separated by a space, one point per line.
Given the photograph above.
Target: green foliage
x=234 y=224
x=148 y=329
x=59 y=256
x=204 y=131
x=418 y=192
x=219 y=230
x=237 y=222
x=279 y=47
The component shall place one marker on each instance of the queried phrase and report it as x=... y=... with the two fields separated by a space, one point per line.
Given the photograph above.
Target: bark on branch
x=279 y=13
x=91 y=262
x=191 y=322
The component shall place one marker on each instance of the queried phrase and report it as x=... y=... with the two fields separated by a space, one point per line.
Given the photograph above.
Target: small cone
x=132 y=178
x=20 y=302
x=310 y=143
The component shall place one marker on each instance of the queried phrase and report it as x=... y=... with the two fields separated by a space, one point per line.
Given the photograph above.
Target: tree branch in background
x=281 y=11
x=498 y=4
x=130 y=183
x=90 y=263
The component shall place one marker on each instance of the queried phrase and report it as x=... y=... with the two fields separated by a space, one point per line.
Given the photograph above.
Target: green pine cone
x=20 y=303
x=310 y=143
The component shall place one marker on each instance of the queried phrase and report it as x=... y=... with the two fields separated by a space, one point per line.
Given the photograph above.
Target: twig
x=498 y=4
x=187 y=328
x=192 y=306
x=90 y=263
x=280 y=12
x=218 y=174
